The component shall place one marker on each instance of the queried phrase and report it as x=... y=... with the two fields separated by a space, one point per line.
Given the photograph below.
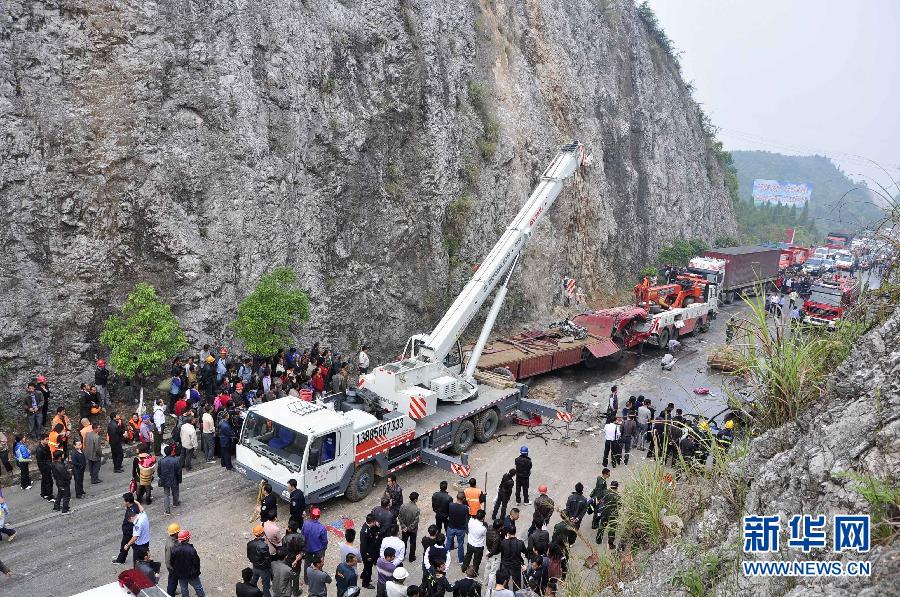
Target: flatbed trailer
x=540 y=351
x=602 y=335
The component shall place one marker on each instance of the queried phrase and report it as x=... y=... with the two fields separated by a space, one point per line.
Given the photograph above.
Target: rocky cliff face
x=377 y=146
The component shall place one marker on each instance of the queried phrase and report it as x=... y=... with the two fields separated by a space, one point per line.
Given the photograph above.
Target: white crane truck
x=393 y=418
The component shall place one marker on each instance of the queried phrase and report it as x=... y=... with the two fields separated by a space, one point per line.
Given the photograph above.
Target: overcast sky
x=796 y=76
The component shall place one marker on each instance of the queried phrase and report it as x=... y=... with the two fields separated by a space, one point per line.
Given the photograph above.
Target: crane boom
x=490 y=272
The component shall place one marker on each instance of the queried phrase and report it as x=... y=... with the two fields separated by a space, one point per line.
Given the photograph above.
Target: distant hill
x=827 y=209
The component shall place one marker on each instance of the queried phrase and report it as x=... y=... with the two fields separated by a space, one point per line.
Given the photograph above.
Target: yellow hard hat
x=704 y=426
x=173 y=528
x=258 y=530
x=729 y=424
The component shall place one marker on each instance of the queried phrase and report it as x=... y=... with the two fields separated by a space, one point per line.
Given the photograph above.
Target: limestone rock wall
x=379 y=147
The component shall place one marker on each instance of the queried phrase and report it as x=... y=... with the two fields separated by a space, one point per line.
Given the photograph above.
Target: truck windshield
x=825 y=297
x=268 y=438
x=709 y=275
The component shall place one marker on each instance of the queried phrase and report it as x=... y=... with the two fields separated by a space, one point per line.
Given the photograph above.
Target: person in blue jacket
x=23 y=459
x=316 y=537
x=226 y=440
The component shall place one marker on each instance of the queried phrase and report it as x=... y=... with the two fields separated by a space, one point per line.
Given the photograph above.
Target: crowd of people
x=495 y=554
x=201 y=417
x=500 y=557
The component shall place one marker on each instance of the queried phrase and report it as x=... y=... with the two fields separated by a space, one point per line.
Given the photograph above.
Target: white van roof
x=306 y=417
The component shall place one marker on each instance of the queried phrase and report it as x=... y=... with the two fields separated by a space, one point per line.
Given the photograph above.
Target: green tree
x=681 y=251
x=725 y=241
x=144 y=335
x=265 y=317
x=698 y=247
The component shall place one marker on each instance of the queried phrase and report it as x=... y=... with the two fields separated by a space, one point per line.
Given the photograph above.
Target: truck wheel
x=688 y=302
x=361 y=483
x=464 y=436
x=486 y=425
x=663 y=337
x=728 y=298
x=704 y=325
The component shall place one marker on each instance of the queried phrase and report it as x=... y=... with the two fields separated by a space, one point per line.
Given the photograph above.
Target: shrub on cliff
x=265 y=317
x=143 y=336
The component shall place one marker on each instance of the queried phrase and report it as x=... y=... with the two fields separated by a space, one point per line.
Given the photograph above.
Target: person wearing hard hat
x=171 y=541
x=523 y=474
x=260 y=559
x=316 y=537
x=543 y=509
x=396 y=587
x=208 y=376
x=726 y=436
x=186 y=565
x=704 y=441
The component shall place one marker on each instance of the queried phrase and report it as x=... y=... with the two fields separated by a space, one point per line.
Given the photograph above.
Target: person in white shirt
x=188 y=443
x=475 y=539
x=208 y=430
x=397 y=586
x=612 y=432
x=394 y=540
x=159 y=421
x=612 y=405
x=643 y=419
x=363 y=360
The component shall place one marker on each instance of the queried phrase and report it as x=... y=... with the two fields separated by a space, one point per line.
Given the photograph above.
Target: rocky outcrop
x=376 y=146
x=806 y=467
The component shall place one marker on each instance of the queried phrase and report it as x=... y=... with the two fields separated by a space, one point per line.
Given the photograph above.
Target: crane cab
x=293 y=439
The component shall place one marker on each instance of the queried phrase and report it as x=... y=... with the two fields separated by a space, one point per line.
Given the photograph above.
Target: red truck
x=794 y=256
x=589 y=338
x=838 y=240
x=828 y=301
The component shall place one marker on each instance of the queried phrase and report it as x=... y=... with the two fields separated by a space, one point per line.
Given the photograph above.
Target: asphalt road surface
x=55 y=555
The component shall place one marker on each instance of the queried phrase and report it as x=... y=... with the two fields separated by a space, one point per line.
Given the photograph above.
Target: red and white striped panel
x=416 y=407
x=564 y=416
x=460 y=469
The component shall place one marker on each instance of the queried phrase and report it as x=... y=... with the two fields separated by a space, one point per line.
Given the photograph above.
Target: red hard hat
x=101 y=363
x=41 y=379
x=184 y=535
x=315 y=513
x=542 y=489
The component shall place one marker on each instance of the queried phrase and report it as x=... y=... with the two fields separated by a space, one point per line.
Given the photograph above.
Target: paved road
x=59 y=556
